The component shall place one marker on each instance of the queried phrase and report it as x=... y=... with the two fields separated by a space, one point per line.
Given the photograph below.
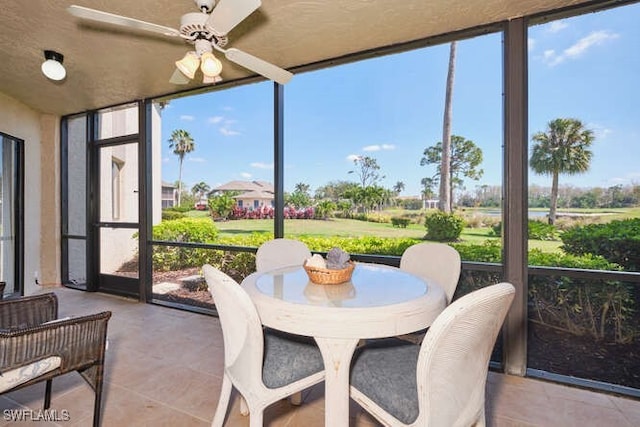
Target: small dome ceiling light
x=52 y=66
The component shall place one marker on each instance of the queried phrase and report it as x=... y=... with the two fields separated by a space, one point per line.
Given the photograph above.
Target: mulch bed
x=583 y=357
x=200 y=298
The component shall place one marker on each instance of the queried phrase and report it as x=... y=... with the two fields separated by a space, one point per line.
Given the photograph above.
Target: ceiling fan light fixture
x=52 y=67
x=210 y=65
x=209 y=80
x=189 y=64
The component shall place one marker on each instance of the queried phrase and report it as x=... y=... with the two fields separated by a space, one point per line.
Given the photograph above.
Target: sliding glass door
x=11 y=197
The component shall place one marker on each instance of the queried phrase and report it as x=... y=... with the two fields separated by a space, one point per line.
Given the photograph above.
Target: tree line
x=563 y=148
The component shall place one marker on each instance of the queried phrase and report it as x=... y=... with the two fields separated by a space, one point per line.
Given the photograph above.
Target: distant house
x=251 y=194
x=169 y=195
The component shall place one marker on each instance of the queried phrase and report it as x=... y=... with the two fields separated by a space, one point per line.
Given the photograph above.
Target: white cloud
x=630 y=178
x=594 y=39
x=557 y=26
x=600 y=132
x=371 y=148
x=197 y=159
x=550 y=57
x=260 y=165
x=187 y=118
x=245 y=175
x=378 y=147
x=228 y=132
x=352 y=157
x=165 y=160
x=224 y=125
x=578 y=49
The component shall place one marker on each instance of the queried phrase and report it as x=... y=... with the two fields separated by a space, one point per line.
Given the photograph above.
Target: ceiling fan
x=207 y=30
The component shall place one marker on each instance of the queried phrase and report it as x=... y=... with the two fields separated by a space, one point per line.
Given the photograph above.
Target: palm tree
x=563 y=148
x=427 y=188
x=302 y=188
x=398 y=187
x=199 y=190
x=182 y=143
x=445 y=177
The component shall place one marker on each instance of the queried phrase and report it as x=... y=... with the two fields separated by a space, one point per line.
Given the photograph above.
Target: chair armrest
x=79 y=341
x=28 y=311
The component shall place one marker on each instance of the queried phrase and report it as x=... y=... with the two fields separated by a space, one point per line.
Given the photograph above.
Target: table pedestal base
x=336 y=354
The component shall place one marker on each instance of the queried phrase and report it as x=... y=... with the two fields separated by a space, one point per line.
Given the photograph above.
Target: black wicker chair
x=30 y=333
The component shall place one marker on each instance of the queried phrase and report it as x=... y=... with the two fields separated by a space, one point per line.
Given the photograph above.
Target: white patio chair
x=434 y=261
x=263 y=366
x=442 y=381
x=278 y=253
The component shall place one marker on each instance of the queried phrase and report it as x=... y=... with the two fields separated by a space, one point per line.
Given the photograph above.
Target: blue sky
x=391 y=108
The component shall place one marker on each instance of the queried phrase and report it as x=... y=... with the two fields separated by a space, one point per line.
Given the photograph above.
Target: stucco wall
x=41 y=226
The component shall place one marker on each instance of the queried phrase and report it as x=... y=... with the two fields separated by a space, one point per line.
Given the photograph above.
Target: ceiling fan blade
x=229 y=13
x=110 y=18
x=258 y=65
x=177 y=78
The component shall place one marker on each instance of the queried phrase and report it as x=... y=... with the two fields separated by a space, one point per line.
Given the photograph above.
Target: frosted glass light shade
x=210 y=65
x=189 y=64
x=209 y=80
x=52 y=67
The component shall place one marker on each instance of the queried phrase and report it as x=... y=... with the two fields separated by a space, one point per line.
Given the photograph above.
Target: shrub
x=601 y=309
x=182 y=209
x=617 y=241
x=186 y=230
x=598 y=308
x=378 y=218
x=267 y=212
x=221 y=206
x=325 y=209
x=539 y=230
x=443 y=227
x=488 y=251
x=400 y=222
x=168 y=215
x=167 y=258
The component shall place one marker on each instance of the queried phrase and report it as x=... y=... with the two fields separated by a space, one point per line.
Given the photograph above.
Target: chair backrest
x=454 y=358
x=278 y=253
x=241 y=327
x=434 y=261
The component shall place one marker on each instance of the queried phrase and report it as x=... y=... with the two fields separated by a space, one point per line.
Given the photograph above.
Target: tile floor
x=164 y=368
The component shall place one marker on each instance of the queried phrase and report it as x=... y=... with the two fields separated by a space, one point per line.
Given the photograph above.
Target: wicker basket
x=326 y=276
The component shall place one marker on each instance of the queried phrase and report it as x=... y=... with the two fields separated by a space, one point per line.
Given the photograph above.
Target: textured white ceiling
x=108 y=65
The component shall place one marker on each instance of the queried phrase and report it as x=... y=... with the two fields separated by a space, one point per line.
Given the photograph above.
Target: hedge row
x=601 y=309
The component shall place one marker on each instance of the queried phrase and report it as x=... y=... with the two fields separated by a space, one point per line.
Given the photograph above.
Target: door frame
x=18 y=212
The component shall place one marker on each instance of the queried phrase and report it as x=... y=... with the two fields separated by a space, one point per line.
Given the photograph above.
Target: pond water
x=532 y=214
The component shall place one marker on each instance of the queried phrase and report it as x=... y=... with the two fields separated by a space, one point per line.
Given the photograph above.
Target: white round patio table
x=379 y=301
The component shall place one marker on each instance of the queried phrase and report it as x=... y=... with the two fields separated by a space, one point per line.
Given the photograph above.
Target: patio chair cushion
x=288 y=358
x=14 y=377
x=385 y=370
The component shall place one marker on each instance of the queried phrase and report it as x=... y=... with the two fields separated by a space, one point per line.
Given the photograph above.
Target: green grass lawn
x=320 y=228
x=353 y=228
